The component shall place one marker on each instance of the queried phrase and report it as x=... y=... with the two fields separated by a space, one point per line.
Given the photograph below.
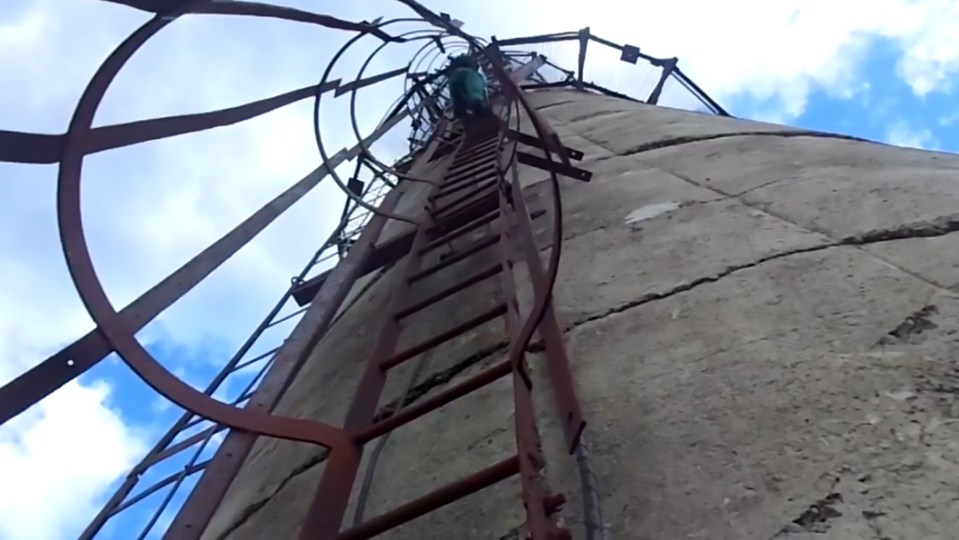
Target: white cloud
x=767 y=52
x=901 y=134
x=53 y=473
x=150 y=208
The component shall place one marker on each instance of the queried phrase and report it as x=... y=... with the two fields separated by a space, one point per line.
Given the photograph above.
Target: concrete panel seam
x=250 y=510
x=687 y=139
x=926 y=229
x=923 y=228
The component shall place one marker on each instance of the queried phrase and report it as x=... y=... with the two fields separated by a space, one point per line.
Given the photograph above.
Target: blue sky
x=881 y=69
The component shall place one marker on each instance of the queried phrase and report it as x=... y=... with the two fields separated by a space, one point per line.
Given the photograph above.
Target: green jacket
x=467 y=83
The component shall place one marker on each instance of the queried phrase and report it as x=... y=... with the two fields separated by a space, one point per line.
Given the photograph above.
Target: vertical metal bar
x=325 y=515
x=75 y=359
x=209 y=491
x=528 y=445
x=557 y=361
x=583 y=43
x=668 y=66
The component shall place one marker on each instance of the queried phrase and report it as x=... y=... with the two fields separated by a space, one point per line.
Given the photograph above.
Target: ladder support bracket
x=547 y=165
x=529 y=140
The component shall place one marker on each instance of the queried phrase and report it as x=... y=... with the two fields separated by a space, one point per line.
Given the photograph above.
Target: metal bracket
x=630 y=54
x=529 y=140
x=547 y=165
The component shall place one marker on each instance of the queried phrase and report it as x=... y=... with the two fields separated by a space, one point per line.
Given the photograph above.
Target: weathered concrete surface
x=762 y=323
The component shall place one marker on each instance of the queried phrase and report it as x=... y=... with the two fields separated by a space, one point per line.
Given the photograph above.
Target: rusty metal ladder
x=473 y=193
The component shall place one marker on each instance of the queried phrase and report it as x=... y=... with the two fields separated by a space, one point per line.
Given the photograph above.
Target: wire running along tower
x=462 y=180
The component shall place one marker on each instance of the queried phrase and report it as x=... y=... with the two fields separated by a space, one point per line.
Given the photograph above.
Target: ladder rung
x=466 y=174
x=485 y=202
x=473 y=210
x=408 y=414
x=466 y=283
x=441 y=338
x=433 y=500
x=459 y=231
x=472 y=161
x=467 y=155
x=484 y=243
x=478 y=146
x=461 y=217
x=480 y=188
x=446 y=190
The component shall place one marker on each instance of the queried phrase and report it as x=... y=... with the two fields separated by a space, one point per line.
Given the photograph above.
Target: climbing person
x=467 y=88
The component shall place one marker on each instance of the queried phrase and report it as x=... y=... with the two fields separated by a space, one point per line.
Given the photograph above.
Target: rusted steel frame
x=478 y=197
x=539 y=162
x=360 y=83
x=528 y=69
x=83 y=354
x=542 y=38
x=529 y=140
x=255 y=359
x=528 y=445
x=549 y=140
x=447 y=292
x=456 y=233
x=75 y=359
x=541 y=315
x=480 y=245
x=668 y=66
x=420 y=408
x=160 y=485
x=433 y=500
x=459 y=219
x=557 y=361
x=326 y=510
x=468 y=178
x=176 y=449
x=485 y=201
x=619 y=48
x=476 y=162
x=391 y=121
x=541 y=86
x=255 y=9
x=435 y=341
x=209 y=491
x=457 y=168
x=463 y=215
x=386 y=253
x=103 y=313
x=480 y=189
x=19 y=147
x=583 y=36
x=286 y=318
x=460 y=186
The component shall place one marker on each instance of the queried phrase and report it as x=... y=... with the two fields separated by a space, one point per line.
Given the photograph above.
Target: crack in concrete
x=592 y=116
x=437 y=379
x=687 y=139
x=927 y=228
x=939 y=226
x=253 y=508
x=814 y=519
x=911 y=330
x=550 y=105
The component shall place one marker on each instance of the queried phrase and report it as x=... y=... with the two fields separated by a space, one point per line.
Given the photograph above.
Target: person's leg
x=480 y=107
x=459 y=107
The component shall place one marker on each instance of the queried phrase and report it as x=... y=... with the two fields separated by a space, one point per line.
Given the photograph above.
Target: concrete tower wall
x=762 y=326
